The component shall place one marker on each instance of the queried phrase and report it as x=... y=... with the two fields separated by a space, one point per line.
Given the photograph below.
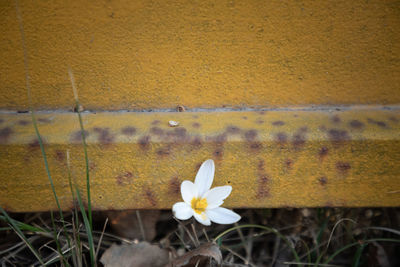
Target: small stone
x=180 y=108
x=377 y=213
x=368 y=213
x=306 y=212
x=180 y=251
x=357 y=231
x=173 y=123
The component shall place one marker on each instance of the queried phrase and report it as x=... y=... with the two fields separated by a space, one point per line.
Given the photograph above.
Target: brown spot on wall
x=174 y=185
x=263 y=190
x=44 y=120
x=393 y=119
x=196 y=125
x=34 y=145
x=197 y=142
x=178 y=134
x=244 y=117
x=164 y=151
x=261 y=165
x=60 y=155
x=151 y=197
x=125 y=178
x=336 y=119
x=322 y=128
x=338 y=136
x=379 y=123
x=303 y=129
x=356 y=124
x=219 y=142
x=255 y=145
x=128 y=130
x=281 y=138
x=1 y=121
x=144 y=142
x=5 y=134
x=231 y=129
x=299 y=139
x=278 y=123
x=218 y=153
x=105 y=137
x=76 y=137
x=263 y=112
x=218 y=139
x=156 y=122
x=343 y=167
x=92 y=166
x=323 y=152
x=259 y=121
x=322 y=180
x=156 y=131
x=195 y=116
x=289 y=164
x=250 y=135
x=23 y=122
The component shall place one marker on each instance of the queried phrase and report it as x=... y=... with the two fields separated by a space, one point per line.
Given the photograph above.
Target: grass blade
x=24 y=226
x=28 y=87
x=62 y=260
x=358 y=243
x=21 y=235
x=101 y=238
x=87 y=227
x=76 y=238
x=274 y=231
x=357 y=256
x=77 y=106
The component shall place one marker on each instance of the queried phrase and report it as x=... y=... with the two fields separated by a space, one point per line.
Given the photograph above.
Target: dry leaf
x=377 y=256
x=126 y=224
x=205 y=250
x=135 y=255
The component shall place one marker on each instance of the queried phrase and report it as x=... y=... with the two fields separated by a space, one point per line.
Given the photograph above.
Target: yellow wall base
x=271 y=158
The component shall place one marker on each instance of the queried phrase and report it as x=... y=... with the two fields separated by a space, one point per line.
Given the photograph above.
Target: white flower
x=203 y=203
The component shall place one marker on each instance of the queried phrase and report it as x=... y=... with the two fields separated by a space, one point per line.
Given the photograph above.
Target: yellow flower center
x=199 y=205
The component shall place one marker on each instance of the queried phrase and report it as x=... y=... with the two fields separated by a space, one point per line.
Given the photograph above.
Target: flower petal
x=188 y=191
x=222 y=216
x=202 y=218
x=182 y=211
x=215 y=197
x=205 y=176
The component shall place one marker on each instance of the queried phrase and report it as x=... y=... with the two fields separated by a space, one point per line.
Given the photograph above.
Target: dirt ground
x=263 y=237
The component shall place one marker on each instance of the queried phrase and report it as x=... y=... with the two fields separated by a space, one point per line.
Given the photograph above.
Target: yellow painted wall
x=203 y=54
x=271 y=159
x=158 y=54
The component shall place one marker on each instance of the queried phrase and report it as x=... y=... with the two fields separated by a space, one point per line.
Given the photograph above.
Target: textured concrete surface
x=271 y=158
x=160 y=54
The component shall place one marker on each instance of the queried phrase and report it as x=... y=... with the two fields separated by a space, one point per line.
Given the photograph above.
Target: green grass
x=21 y=235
